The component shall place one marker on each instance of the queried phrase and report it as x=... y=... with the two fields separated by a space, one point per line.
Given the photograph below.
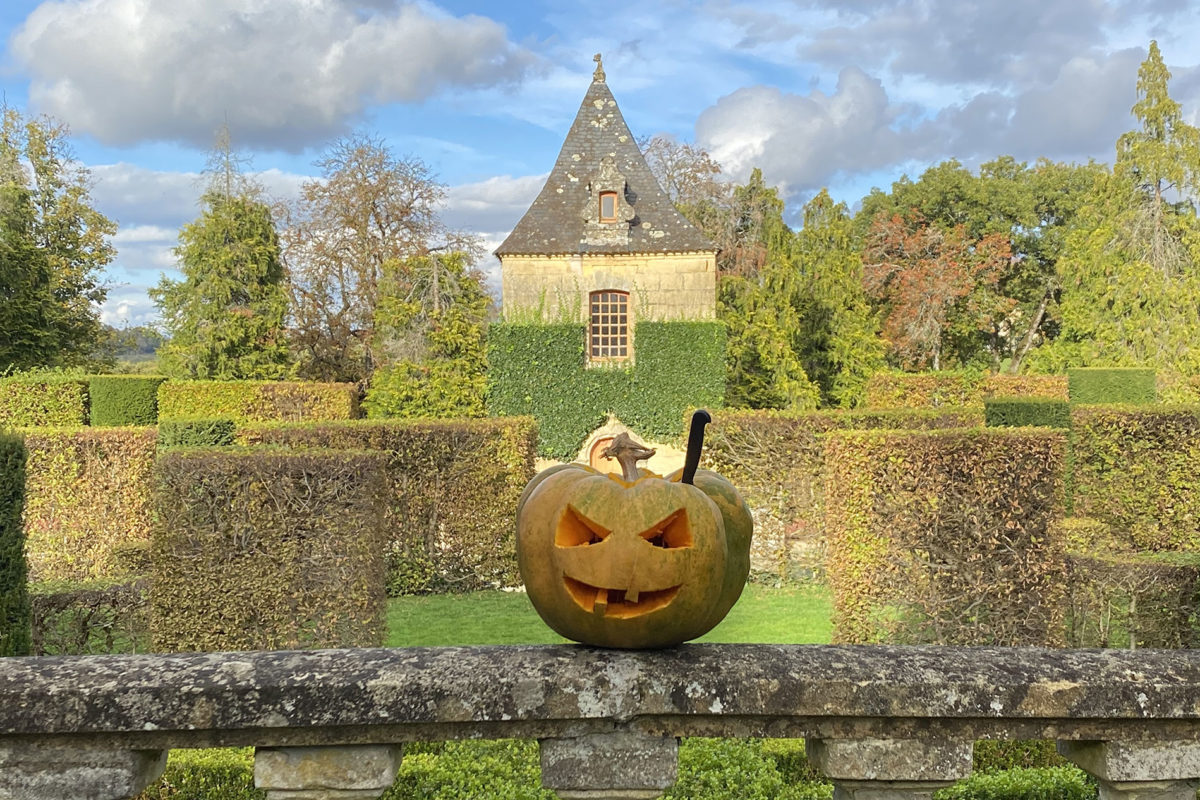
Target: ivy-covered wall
x=540 y=371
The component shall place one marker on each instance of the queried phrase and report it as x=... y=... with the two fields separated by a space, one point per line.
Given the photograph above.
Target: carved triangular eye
x=575 y=530
x=671 y=531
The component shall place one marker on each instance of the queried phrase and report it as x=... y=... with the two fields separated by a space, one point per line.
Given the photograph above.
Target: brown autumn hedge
x=945 y=537
x=87 y=495
x=950 y=388
x=776 y=460
x=259 y=549
x=453 y=491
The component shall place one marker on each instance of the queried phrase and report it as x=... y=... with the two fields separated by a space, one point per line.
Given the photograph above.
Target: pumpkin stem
x=627 y=452
x=691 y=461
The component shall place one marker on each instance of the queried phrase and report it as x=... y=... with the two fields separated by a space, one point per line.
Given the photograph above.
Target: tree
x=1132 y=265
x=686 y=172
x=53 y=248
x=936 y=286
x=226 y=317
x=838 y=342
x=430 y=339
x=1030 y=206
x=368 y=210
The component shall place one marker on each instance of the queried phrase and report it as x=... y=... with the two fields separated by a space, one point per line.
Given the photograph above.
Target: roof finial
x=598 y=75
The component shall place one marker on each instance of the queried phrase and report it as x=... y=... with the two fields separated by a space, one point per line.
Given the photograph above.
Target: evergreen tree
x=1131 y=267
x=225 y=319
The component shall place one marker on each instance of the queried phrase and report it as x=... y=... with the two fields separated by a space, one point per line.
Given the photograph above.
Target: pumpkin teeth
x=618 y=603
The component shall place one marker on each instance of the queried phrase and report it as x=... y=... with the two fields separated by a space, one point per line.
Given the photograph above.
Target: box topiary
x=123 y=400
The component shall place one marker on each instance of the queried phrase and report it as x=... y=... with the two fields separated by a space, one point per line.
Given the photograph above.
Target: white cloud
x=802 y=141
x=282 y=73
x=491 y=205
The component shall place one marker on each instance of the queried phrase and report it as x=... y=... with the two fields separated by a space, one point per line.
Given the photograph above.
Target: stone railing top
x=354 y=696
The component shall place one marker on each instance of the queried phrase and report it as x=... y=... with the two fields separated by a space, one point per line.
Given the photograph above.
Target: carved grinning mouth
x=618 y=603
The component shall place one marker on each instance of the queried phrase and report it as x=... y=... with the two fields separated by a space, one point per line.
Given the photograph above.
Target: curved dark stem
x=691 y=461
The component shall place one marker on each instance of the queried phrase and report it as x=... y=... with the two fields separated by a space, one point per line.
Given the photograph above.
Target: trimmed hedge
x=1133 y=601
x=207 y=774
x=1020 y=412
x=196 y=433
x=258 y=401
x=1136 y=470
x=93 y=618
x=1130 y=385
x=87 y=495
x=14 y=596
x=119 y=400
x=776 y=460
x=1037 y=783
x=957 y=388
x=453 y=491
x=261 y=549
x=32 y=402
x=541 y=371
x=944 y=537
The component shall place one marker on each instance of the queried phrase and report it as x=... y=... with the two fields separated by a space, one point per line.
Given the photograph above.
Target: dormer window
x=608 y=206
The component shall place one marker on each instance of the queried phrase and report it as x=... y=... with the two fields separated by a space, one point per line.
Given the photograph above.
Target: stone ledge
x=364 y=696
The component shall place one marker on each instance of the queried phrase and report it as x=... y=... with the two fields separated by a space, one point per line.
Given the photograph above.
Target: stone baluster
x=609 y=766
x=889 y=769
x=1139 y=770
x=30 y=771
x=336 y=772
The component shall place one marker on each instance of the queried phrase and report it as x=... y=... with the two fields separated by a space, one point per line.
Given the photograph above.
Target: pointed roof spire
x=600 y=155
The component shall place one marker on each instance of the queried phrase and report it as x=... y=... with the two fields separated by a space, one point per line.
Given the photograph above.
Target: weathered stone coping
x=392 y=695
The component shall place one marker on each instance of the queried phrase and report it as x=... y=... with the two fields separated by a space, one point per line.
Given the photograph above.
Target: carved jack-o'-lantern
x=635 y=560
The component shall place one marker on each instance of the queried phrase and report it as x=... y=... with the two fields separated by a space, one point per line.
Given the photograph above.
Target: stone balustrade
x=883 y=723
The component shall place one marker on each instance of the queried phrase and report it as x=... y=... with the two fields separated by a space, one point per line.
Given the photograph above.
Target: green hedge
x=31 y=402
x=1036 y=783
x=776 y=459
x=196 y=433
x=1136 y=470
x=946 y=537
x=14 y=597
x=123 y=400
x=87 y=494
x=454 y=486
x=258 y=401
x=1129 y=385
x=265 y=549
x=1019 y=412
x=209 y=774
x=541 y=371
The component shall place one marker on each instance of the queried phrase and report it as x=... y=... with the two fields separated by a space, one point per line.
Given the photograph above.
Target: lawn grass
x=797 y=615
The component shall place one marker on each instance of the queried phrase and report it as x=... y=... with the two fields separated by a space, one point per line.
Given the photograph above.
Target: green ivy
x=541 y=371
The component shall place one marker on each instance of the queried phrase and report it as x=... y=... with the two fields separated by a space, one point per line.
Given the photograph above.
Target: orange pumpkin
x=633 y=562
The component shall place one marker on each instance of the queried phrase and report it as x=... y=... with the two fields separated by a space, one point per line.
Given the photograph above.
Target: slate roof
x=558 y=221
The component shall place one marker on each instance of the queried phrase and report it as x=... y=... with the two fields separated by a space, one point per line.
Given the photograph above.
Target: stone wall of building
x=661 y=286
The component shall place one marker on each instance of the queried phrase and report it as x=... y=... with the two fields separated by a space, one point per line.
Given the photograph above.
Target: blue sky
x=847 y=94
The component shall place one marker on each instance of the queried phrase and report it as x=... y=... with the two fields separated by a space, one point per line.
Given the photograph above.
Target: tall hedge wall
x=540 y=371
x=453 y=491
x=945 y=537
x=258 y=401
x=118 y=400
x=87 y=494
x=776 y=460
x=267 y=550
x=957 y=388
x=14 y=596
x=35 y=402
x=1137 y=469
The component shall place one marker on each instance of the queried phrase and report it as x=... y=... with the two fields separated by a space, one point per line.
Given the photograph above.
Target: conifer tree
x=226 y=317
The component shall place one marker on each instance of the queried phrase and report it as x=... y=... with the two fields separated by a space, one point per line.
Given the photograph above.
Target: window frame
x=609 y=326
x=605 y=196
